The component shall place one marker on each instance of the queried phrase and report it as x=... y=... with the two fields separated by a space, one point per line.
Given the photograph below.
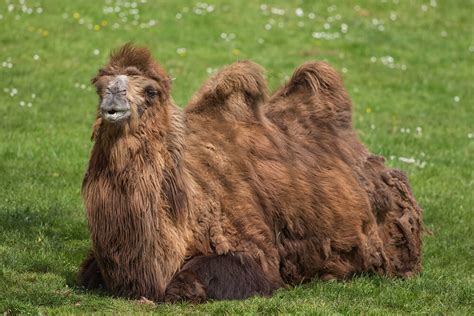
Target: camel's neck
x=136 y=201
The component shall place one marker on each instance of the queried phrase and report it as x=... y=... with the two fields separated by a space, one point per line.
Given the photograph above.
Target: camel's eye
x=151 y=92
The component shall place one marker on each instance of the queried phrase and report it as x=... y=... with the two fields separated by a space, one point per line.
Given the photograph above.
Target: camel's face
x=125 y=96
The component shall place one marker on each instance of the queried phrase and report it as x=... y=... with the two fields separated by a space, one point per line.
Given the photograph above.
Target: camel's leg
x=230 y=276
x=89 y=274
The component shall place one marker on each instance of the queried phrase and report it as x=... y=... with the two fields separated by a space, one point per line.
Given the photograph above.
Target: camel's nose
x=115 y=97
x=114 y=106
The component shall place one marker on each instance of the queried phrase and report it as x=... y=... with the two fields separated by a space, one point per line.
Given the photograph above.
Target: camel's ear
x=237 y=89
x=165 y=83
x=100 y=73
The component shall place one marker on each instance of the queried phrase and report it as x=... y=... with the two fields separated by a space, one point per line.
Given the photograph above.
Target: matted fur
x=240 y=194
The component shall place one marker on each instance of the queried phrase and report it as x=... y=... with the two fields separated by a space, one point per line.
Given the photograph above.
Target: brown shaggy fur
x=239 y=194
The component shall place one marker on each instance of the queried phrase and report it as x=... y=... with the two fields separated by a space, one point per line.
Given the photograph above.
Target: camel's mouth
x=115 y=115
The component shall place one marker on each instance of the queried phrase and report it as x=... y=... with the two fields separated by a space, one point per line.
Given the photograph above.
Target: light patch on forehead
x=119 y=83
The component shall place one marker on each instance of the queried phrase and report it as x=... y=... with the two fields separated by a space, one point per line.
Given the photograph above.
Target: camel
x=239 y=194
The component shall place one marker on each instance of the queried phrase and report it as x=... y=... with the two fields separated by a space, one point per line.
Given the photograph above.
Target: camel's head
x=130 y=85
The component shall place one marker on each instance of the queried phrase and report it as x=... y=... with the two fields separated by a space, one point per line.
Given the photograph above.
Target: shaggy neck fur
x=136 y=198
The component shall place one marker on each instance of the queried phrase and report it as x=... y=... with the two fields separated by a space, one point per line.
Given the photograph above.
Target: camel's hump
x=236 y=90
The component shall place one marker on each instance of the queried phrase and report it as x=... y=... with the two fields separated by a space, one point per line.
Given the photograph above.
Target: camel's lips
x=114 y=116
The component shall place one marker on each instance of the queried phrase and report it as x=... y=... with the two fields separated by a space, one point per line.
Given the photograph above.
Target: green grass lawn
x=408 y=65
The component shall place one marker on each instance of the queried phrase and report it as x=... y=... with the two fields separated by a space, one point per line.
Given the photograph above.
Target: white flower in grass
x=407 y=160
x=181 y=51
x=278 y=11
x=344 y=28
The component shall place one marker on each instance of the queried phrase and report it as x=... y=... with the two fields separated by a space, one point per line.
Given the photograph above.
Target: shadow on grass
x=43 y=241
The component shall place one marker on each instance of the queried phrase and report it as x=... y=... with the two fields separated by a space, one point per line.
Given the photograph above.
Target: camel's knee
x=230 y=276
x=89 y=275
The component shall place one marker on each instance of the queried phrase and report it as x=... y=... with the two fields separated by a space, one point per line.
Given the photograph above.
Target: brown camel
x=239 y=194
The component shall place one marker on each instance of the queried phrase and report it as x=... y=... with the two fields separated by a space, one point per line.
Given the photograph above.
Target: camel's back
x=289 y=178
x=253 y=162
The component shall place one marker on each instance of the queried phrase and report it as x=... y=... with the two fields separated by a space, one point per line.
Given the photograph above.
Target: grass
x=408 y=66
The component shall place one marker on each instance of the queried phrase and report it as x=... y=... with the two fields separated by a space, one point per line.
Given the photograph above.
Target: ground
x=408 y=66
